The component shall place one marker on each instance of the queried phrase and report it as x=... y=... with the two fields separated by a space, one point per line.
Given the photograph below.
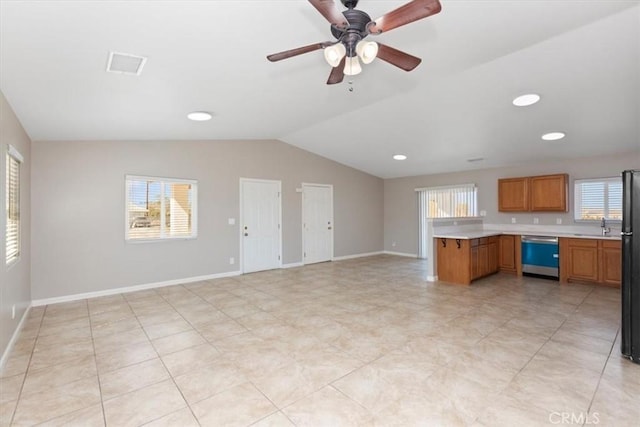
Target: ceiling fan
x=351 y=27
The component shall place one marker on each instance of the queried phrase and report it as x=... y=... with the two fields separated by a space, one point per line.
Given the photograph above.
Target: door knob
x=246 y=234
x=328 y=228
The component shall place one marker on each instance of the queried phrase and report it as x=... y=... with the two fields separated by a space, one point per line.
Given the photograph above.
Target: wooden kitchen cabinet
x=544 y=193
x=591 y=261
x=463 y=260
x=513 y=195
x=507 y=253
x=611 y=262
x=548 y=193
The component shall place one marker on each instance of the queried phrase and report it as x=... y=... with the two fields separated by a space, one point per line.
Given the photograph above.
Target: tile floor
x=364 y=342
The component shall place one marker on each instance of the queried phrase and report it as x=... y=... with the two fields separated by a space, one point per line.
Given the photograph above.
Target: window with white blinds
x=160 y=208
x=598 y=198
x=12 y=182
x=450 y=201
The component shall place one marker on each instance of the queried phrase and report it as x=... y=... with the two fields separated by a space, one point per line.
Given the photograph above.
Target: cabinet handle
x=458 y=243
x=444 y=242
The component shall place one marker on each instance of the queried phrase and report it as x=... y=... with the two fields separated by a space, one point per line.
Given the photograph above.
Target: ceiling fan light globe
x=367 y=51
x=334 y=54
x=352 y=66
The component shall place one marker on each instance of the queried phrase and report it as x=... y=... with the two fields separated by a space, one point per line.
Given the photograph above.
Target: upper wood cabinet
x=513 y=195
x=548 y=193
x=545 y=193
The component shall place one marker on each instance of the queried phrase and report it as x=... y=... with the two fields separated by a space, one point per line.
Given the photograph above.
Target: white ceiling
x=582 y=57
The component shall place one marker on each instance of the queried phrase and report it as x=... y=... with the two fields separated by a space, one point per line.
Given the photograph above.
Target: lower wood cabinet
x=507 y=253
x=591 y=261
x=463 y=260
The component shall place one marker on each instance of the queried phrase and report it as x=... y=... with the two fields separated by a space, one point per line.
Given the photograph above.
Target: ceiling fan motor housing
x=357 y=30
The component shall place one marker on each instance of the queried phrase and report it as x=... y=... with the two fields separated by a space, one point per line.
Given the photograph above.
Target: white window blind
x=598 y=198
x=160 y=208
x=450 y=201
x=12 y=182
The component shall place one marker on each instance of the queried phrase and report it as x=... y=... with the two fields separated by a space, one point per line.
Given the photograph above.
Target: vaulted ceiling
x=582 y=57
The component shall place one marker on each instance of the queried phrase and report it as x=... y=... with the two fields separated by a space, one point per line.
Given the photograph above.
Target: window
x=12 y=233
x=447 y=202
x=160 y=208
x=598 y=198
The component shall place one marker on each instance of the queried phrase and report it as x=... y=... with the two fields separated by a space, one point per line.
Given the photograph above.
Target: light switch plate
x=232 y=221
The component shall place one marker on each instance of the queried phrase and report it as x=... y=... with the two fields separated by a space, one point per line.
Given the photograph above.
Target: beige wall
x=400 y=201
x=78 y=209
x=14 y=281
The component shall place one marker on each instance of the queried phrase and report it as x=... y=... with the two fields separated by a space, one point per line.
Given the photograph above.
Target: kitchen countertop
x=467 y=235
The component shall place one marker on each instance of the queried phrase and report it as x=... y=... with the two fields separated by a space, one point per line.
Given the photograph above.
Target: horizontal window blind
x=598 y=198
x=12 y=232
x=160 y=208
x=448 y=202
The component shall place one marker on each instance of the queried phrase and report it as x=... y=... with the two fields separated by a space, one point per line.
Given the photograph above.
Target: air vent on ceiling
x=125 y=63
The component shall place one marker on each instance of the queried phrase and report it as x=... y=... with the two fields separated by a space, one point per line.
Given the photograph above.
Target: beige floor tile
x=63 y=352
x=239 y=406
x=177 y=342
x=126 y=356
x=10 y=388
x=16 y=364
x=160 y=330
x=87 y=417
x=218 y=330
x=190 y=359
x=45 y=405
x=182 y=418
x=54 y=376
x=119 y=340
x=328 y=407
x=159 y=316
x=66 y=336
x=218 y=375
x=118 y=326
x=274 y=420
x=143 y=405
x=132 y=378
x=508 y=411
x=6 y=412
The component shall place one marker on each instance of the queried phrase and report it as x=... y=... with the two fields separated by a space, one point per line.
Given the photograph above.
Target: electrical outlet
x=232 y=221
x=393 y=244
x=13 y=311
x=483 y=213
x=513 y=220
x=536 y=221
x=558 y=221
x=232 y=260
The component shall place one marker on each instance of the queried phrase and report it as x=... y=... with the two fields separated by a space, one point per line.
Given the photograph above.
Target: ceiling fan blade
x=397 y=57
x=410 y=12
x=337 y=73
x=331 y=13
x=298 y=51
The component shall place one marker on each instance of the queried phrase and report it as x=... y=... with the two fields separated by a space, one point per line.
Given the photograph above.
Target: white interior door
x=260 y=225
x=317 y=223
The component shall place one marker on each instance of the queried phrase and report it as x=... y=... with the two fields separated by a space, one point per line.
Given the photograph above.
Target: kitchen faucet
x=605 y=230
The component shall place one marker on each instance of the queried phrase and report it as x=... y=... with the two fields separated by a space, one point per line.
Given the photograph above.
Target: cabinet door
x=513 y=195
x=453 y=261
x=483 y=259
x=507 y=253
x=548 y=193
x=493 y=257
x=583 y=259
x=611 y=263
x=475 y=262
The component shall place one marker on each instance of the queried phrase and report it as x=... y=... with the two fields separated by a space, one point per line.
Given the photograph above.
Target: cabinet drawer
x=493 y=239
x=484 y=240
x=611 y=244
x=475 y=242
x=584 y=243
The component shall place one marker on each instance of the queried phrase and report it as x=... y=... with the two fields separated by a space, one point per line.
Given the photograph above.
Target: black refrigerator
x=630 y=344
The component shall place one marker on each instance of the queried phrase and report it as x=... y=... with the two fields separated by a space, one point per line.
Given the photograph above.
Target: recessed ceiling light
x=553 y=136
x=399 y=157
x=526 y=100
x=199 y=116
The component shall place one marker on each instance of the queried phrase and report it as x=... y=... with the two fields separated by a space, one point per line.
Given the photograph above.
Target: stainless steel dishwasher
x=540 y=255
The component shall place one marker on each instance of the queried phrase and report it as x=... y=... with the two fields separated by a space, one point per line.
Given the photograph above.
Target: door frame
x=333 y=225
x=241 y=219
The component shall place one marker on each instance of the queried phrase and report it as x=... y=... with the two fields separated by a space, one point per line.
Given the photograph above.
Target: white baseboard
x=432 y=278
x=345 y=257
x=14 y=338
x=401 y=254
x=127 y=289
x=292 y=265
